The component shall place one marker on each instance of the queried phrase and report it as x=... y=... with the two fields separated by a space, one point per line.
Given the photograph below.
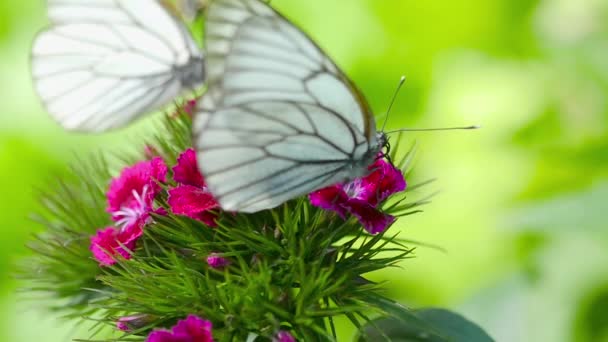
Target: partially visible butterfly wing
x=279 y=119
x=190 y=9
x=102 y=63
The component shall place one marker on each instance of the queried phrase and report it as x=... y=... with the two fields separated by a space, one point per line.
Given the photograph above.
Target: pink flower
x=215 y=260
x=130 y=323
x=193 y=202
x=166 y=336
x=191 y=198
x=131 y=195
x=188 y=108
x=186 y=171
x=108 y=244
x=362 y=196
x=191 y=329
x=284 y=336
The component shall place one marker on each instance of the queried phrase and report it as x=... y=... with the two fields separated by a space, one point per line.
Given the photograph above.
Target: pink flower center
x=354 y=189
x=135 y=211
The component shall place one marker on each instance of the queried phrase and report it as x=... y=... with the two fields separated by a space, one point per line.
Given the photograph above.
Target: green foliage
x=592 y=317
x=294 y=267
x=440 y=326
x=62 y=267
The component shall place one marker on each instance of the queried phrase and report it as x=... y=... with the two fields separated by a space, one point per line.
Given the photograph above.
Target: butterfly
x=279 y=118
x=103 y=63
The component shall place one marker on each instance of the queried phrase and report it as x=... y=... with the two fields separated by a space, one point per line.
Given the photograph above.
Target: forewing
x=279 y=119
x=255 y=54
x=103 y=63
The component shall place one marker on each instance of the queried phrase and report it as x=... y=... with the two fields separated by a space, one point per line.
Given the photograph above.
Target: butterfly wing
x=103 y=63
x=279 y=118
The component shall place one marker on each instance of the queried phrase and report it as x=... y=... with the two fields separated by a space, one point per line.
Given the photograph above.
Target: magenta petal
x=166 y=336
x=198 y=329
x=392 y=182
x=284 y=336
x=383 y=181
x=130 y=323
x=137 y=180
x=121 y=190
x=186 y=171
x=330 y=198
x=373 y=220
x=161 y=211
x=207 y=217
x=190 y=107
x=215 y=260
x=158 y=170
x=193 y=202
x=122 y=326
x=108 y=244
x=130 y=233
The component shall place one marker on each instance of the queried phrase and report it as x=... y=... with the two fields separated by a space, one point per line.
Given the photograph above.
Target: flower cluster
x=190 y=329
x=131 y=201
x=139 y=191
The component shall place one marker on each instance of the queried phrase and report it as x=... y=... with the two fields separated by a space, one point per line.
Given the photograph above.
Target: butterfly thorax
x=192 y=73
x=361 y=167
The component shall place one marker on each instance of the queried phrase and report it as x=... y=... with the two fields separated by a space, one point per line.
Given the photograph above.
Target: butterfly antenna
x=390 y=107
x=434 y=129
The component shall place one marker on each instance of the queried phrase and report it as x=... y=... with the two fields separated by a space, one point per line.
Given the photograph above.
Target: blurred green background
x=523 y=202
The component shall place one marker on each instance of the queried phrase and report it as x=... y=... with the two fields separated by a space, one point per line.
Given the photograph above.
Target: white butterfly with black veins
x=103 y=63
x=279 y=119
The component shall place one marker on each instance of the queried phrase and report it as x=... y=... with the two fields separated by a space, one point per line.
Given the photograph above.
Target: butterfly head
x=375 y=149
x=384 y=146
x=379 y=146
x=382 y=139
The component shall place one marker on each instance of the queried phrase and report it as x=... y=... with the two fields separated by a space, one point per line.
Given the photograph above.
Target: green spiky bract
x=295 y=268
